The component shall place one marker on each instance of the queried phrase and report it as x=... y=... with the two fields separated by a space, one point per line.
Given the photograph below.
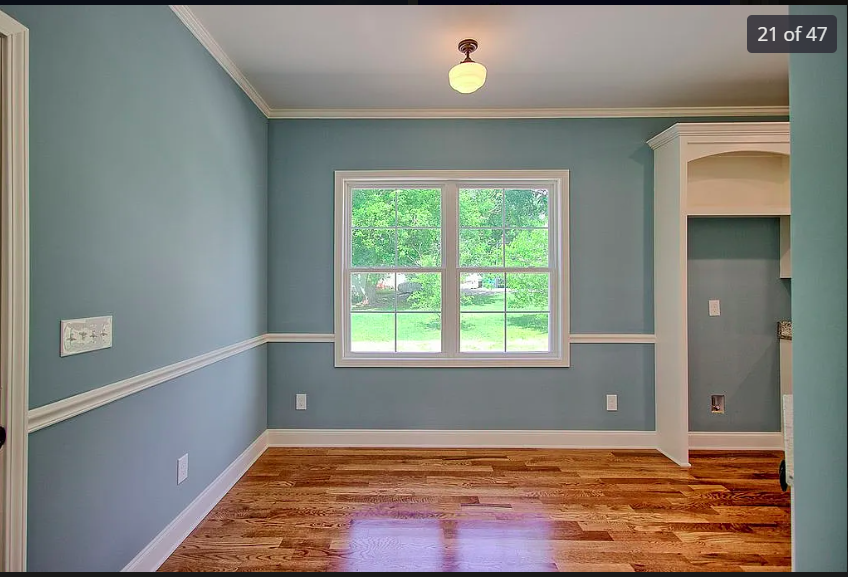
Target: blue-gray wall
x=403 y=398
x=817 y=88
x=737 y=354
x=103 y=485
x=611 y=223
x=148 y=196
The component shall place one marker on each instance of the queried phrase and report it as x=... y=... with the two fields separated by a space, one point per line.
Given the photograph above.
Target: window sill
x=441 y=362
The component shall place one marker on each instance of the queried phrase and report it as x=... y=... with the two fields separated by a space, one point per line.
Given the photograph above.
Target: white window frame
x=451 y=181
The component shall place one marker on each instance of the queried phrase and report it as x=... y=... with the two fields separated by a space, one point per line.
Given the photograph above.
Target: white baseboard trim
x=157 y=551
x=736 y=441
x=670 y=458
x=414 y=438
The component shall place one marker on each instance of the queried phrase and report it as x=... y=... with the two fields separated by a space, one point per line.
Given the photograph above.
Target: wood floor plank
x=314 y=509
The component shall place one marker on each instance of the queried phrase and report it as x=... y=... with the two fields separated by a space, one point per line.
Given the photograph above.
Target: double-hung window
x=451 y=268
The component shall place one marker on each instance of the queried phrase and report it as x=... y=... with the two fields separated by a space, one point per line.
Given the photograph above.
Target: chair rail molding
x=67 y=408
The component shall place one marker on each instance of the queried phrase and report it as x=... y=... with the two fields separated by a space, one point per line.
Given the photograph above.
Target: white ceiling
x=311 y=57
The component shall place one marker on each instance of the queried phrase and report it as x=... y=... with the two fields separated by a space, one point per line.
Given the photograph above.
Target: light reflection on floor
x=434 y=545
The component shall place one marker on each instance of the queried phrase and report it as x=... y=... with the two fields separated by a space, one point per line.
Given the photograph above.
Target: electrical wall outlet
x=715 y=308
x=612 y=402
x=84 y=335
x=182 y=468
x=717 y=404
x=300 y=401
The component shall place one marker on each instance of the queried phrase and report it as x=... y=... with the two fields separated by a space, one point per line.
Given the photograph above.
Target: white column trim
x=415 y=438
x=14 y=289
x=72 y=406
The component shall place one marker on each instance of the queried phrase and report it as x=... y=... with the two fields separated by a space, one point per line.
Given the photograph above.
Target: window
x=445 y=268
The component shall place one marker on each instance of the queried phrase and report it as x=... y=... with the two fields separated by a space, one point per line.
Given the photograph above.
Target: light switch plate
x=715 y=308
x=84 y=335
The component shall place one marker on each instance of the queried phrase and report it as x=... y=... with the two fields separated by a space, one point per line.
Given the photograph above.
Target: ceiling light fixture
x=467 y=76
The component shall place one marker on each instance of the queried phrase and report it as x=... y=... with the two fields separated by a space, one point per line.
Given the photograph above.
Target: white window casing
x=449 y=183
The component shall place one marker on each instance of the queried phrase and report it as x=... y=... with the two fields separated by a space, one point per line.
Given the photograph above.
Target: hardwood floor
x=496 y=509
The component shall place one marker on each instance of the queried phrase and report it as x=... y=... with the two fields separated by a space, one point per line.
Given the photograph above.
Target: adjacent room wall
x=818 y=114
x=148 y=202
x=735 y=260
x=611 y=190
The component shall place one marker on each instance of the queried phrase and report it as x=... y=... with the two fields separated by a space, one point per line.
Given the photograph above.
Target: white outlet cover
x=612 y=402
x=715 y=308
x=85 y=335
x=182 y=468
x=300 y=401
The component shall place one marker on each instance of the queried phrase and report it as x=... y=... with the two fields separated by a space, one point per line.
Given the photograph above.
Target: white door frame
x=14 y=288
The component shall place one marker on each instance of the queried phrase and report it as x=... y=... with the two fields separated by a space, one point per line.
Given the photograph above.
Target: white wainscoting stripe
x=53 y=413
x=72 y=406
x=666 y=112
x=300 y=337
x=200 y=32
x=461 y=438
x=158 y=550
x=736 y=441
x=586 y=338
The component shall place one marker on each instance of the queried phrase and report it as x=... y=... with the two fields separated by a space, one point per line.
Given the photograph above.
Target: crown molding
x=194 y=25
x=720 y=130
x=676 y=112
x=202 y=34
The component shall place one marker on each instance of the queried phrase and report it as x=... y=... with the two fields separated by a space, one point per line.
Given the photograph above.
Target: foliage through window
x=442 y=268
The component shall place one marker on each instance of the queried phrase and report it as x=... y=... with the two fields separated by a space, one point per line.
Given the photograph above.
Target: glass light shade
x=466 y=77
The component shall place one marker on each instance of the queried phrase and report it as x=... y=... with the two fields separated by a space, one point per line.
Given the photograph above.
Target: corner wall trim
x=14 y=289
x=157 y=551
x=53 y=413
x=200 y=32
x=300 y=337
x=736 y=441
x=469 y=439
